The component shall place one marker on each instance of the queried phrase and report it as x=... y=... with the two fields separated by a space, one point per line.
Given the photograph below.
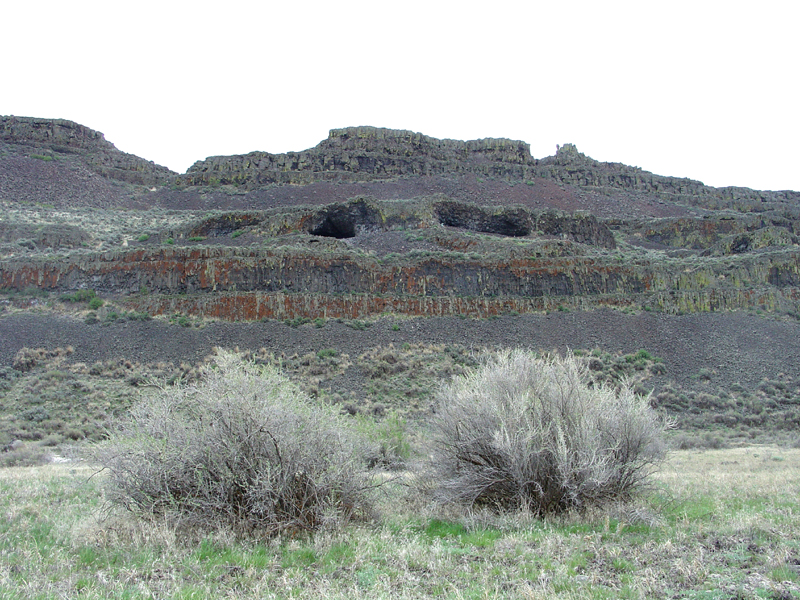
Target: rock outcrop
x=518 y=222
x=370 y=153
x=344 y=220
x=363 y=154
x=574 y=168
x=50 y=137
x=263 y=279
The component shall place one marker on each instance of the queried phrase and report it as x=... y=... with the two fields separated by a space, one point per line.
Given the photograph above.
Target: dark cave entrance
x=345 y=220
x=335 y=226
x=507 y=222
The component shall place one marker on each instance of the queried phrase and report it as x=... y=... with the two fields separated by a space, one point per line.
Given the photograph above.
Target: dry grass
x=723 y=524
x=108 y=228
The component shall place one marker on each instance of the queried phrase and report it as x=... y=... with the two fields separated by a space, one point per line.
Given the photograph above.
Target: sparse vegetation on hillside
x=47 y=401
x=50 y=399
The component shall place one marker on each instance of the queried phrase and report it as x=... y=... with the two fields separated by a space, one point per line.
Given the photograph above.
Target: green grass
x=719 y=524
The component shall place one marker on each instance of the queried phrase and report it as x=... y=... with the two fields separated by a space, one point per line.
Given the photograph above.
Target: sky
x=699 y=89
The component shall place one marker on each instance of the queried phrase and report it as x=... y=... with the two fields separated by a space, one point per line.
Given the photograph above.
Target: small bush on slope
x=533 y=432
x=243 y=446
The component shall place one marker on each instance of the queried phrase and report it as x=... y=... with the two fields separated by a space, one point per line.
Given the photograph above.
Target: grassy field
x=717 y=524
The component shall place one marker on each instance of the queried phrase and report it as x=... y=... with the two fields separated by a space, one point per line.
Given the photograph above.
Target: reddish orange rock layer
x=251 y=306
x=246 y=283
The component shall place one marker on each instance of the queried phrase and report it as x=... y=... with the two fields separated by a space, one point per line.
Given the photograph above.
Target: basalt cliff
x=374 y=221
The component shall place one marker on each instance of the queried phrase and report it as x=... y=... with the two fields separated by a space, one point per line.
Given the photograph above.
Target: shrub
x=138 y=316
x=297 y=321
x=79 y=296
x=95 y=303
x=26 y=359
x=22 y=455
x=522 y=431
x=703 y=374
x=244 y=446
x=391 y=447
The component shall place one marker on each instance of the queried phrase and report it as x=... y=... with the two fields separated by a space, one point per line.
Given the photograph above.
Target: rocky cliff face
x=49 y=137
x=346 y=220
x=369 y=153
x=363 y=154
x=299 y=253
x=574 y=168
x=251 y=283
x=720 y=236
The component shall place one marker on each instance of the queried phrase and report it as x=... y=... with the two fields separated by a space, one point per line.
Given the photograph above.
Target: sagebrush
x=244 y=446
x=538 y=433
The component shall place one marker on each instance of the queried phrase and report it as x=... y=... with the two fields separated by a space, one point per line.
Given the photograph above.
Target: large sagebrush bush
x=242 y=446
x=522 y=431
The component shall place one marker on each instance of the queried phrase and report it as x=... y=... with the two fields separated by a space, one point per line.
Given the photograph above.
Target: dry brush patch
x=242 y=446
x=539 y=433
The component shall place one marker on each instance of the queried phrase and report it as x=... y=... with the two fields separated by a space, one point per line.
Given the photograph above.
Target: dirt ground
x=733 y=347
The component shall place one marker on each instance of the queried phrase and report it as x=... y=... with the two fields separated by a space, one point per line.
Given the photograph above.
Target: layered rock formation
x=49 y=137
x=306 y=256
x=370 y=153
x=344 y=220
x=359 y=154
x=280 y=283
x=366 y=153
x=574 y=168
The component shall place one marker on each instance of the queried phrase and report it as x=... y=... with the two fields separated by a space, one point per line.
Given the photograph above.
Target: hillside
x=377 y=237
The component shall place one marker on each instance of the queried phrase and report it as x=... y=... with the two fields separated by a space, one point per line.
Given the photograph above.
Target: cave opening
x=511 y=223
x=508 y=225
x=335 y=226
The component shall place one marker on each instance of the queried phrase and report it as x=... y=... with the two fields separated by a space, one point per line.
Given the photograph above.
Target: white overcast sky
x=700 y=89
